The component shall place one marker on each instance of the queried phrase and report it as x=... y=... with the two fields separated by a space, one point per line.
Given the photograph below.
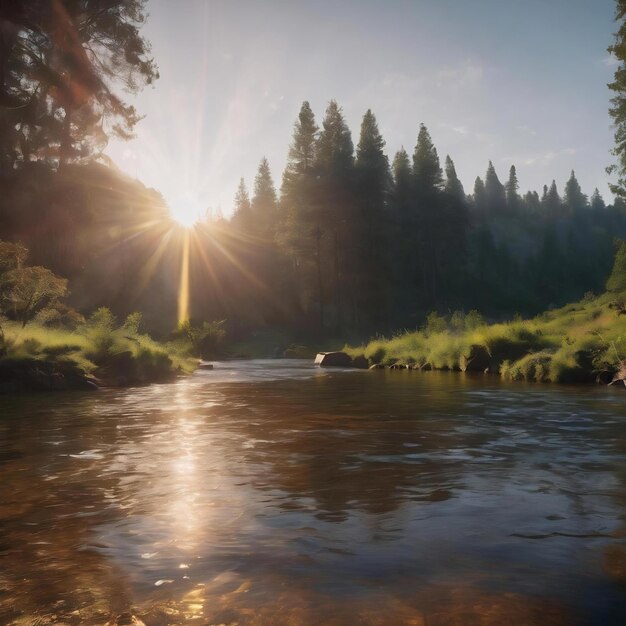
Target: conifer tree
x=264 y=203
x=335 y=150
x=242 y=209
x=494 y=191
x=334 y=204
x=573 y=198
x=301 y=235
x=427 y=172
x=372 y=191
x=479 y=196
x=454 y=187
x=511 y=189
x=552 y=199
x=597 y=202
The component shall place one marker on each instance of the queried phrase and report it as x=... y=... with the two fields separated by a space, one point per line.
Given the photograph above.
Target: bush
x=206 y=340
x=435 y=323
x=99 y=332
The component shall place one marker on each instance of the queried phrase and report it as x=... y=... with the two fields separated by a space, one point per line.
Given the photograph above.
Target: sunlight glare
x=187 y=210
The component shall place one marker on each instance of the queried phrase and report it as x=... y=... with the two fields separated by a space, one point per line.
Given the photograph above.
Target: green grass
x=571 y=344
x=93 y=344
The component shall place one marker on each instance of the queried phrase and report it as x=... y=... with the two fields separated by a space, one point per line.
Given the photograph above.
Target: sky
x=521 y=83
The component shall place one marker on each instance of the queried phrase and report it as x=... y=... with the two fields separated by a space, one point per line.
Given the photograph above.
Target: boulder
x=333 y=359
x=360 y=362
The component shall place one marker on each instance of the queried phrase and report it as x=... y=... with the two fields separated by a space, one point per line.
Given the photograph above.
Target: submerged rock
x=333 y=359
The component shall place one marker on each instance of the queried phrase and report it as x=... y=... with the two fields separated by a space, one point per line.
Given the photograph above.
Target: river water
x=271 y=492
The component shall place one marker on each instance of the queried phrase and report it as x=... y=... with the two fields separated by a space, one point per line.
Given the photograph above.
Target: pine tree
x=574 y=199
x=531 y=202
x=335 y=150
x=552 y=199
x=597 y=202
x=511 y=189
x=479 y=196
x=334 y=206
x=454 y=187
x=242 y=213
x=494 y=191
x=264 y=202
x=302 y=150
x=300 y=234
x=428 y=188
x=370 y=230
x=427 y=172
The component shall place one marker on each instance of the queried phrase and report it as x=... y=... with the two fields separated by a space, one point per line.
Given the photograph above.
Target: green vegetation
x=46 y=344
x=580 y=342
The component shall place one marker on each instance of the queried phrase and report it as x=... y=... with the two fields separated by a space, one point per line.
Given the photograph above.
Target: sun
x=187 y=210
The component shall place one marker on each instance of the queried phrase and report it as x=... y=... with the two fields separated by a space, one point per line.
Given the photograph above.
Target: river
x=271 y=492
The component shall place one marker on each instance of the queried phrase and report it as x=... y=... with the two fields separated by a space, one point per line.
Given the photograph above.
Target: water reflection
x=273 y=493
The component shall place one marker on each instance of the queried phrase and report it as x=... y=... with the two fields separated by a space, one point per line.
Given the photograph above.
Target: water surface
x=270 y=492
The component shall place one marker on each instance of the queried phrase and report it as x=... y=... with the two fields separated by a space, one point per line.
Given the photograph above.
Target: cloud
x=541 y=158
x=468 y=74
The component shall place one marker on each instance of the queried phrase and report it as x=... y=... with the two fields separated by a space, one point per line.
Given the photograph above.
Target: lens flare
x=183 y=293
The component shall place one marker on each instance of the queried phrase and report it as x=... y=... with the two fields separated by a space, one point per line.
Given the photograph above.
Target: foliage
x=617 y=279
x=25 y=290
x=61 y=61
x=206 y=340
x=573 y=344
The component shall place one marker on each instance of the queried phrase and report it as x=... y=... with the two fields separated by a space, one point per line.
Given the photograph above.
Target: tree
x=428 y=186
x=617 y=279
x=299 y=235
x=511 y=189
x=617 y=109
x=264 y=203
x=552 y=199
x=333 y=204
x=61 y=62
x=243 y=208
x=597 y=202
x=427 y=172
x=454 y=187
x=495 y=196
x=24 y=291
x=479 y=196
x=573 y=198
x=372 y=189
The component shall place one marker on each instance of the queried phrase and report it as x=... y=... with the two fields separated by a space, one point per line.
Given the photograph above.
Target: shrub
x=99 y=332
x=435 y=323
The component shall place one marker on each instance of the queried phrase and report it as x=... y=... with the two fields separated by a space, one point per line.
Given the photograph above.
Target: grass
x=98 y=344
x=573 y=344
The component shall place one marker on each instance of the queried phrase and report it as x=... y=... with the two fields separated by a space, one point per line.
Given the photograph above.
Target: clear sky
x=516 y=82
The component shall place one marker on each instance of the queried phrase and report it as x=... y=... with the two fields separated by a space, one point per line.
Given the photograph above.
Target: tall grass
x=571 y=344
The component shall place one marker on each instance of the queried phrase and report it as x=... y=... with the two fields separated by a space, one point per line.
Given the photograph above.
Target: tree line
x=367 y=245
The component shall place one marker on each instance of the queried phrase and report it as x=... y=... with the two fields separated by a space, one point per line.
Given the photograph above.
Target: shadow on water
x=269 y=492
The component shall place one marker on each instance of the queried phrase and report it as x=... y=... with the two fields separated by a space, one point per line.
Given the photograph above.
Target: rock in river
x=333 y=359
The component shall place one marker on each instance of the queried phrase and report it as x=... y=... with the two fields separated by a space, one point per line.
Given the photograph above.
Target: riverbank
x=579 y=343
x=94 y=354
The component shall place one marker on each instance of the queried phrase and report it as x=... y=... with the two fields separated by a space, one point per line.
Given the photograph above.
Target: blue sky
x=519 y=83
